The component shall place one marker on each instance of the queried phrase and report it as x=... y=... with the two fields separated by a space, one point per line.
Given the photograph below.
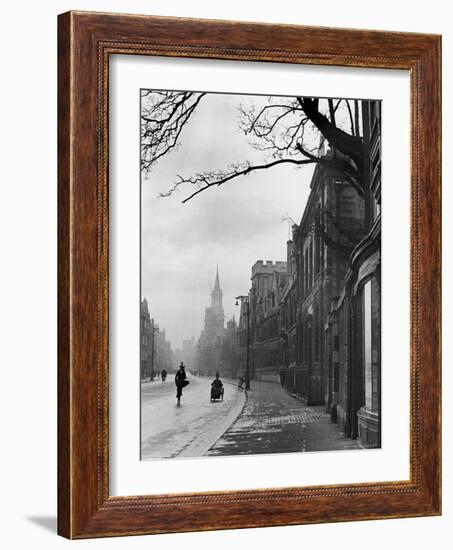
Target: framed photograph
x=249 y=275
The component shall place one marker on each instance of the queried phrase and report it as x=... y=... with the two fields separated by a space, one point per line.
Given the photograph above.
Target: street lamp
x=245 y=300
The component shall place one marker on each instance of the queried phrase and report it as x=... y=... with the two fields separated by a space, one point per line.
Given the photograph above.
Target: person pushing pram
x=217 y=389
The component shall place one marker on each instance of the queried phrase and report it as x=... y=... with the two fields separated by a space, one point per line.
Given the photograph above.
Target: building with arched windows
x=315 y=319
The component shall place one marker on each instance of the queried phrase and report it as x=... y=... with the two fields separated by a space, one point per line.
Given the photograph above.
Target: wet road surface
x=188 y=430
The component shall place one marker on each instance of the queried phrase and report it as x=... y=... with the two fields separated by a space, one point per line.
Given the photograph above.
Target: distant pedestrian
x=180 y=381
x=163 y=375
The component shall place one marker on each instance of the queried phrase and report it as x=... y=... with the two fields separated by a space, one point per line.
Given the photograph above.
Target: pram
x=217 y=392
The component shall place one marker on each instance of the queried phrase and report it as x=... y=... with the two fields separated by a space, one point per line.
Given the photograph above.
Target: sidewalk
x=272 y=421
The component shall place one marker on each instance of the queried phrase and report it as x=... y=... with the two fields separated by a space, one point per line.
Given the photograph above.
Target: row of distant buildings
x=314 y=320
x=156 y=353
x=155 y=350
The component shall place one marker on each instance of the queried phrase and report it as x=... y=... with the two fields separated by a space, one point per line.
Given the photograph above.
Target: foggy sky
x=233 y=225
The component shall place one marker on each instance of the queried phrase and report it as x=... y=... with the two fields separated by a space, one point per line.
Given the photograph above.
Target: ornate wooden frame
x=85 y=41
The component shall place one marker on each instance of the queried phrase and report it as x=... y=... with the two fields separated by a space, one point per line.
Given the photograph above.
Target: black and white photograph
x=260 y=313
x=217 y=357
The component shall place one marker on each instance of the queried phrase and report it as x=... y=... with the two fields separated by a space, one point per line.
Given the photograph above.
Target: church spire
x=216 y=294
x=217 y=281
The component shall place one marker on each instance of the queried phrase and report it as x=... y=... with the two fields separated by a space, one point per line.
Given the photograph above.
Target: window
x=367 y=345
x=318 y=242
x=317 y=329
x=311 y=264
x=306 y=271
x=336 y=377
x=300 y=274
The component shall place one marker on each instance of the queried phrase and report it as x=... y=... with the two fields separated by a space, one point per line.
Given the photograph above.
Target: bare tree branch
x=356 y=115
x=285 y=130
x=216 y=178
x=339 y=165
x=331 y=112
x=350 y=146
x=164 y=116
x=353 y=132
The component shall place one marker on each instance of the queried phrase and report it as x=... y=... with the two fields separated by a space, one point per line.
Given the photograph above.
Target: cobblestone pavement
x=272 y=421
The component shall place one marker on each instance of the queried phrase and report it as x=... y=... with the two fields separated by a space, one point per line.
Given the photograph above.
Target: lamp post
x=245 y=300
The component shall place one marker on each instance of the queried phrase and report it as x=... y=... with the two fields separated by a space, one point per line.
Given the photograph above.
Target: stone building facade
x=242 y=341
x=318 y=256
x=229 y=361
x=315 y=319
x=155 y=350
x=146 y=347
x=353 y=327
x=268 y=283
x=288 y=320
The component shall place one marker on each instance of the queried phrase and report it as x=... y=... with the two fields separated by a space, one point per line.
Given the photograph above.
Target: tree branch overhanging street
x=285 y=130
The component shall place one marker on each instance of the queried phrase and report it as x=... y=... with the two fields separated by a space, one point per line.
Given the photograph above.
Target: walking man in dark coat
x=180 y=381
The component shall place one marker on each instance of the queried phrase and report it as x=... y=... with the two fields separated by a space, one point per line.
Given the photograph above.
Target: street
x=192 y=428
x=265 y=419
